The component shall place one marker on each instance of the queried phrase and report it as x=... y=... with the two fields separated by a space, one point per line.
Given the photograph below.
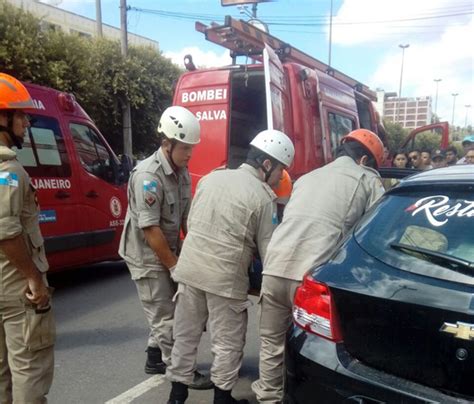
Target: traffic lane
x=102 y=334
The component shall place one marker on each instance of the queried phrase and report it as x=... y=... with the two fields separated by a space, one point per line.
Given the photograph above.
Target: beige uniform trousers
x=276 y=301
x=26 y=353
x=227 y=326
x=156 y=296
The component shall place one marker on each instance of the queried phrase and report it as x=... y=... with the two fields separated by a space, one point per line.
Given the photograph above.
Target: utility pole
x=403 y=47
x=330 y=35
x=126 y=114
x=254 y=10
x=436 y=98
x=454 y=106
x=98 y=18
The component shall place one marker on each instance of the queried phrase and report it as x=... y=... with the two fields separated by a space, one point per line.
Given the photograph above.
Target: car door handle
x=62 y=194
x=92 y=194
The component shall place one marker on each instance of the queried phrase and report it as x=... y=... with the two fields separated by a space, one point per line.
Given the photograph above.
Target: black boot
x=154 y=364
x=225 y=397
x=201 y=381
x=179 y=393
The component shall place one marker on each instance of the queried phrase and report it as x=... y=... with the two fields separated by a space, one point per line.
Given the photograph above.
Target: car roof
x=457 y=174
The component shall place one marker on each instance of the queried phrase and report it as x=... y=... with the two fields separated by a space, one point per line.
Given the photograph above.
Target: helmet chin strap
x=170 y=155
x=267 y=173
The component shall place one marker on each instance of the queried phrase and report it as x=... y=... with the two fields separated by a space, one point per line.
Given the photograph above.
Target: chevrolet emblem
x=459 y=330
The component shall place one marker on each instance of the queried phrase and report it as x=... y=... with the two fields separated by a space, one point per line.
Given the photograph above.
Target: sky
x=366 y=35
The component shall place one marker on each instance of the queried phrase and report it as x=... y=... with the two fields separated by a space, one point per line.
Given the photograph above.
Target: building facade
x=411 y=113
x=56 y=18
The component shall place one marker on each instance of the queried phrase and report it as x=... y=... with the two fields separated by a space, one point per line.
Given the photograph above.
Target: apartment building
x=409 y=112
x=56 y=18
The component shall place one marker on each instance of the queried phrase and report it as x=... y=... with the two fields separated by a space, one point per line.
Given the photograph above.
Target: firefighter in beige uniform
x=27 y=330
x=233 y=214
x=324 y=205
x=159 y=198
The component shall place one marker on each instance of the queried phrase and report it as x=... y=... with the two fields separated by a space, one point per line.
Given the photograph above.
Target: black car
x=390 y=318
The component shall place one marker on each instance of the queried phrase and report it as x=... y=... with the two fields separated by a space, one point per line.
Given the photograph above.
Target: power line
x=270 y=21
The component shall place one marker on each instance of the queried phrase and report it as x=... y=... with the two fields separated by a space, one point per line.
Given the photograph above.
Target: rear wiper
x=435 y=256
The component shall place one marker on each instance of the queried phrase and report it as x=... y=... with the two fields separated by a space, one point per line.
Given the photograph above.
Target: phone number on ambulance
x=118 y=222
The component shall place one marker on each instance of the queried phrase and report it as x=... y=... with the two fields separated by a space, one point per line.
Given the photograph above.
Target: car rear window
x=427 y=232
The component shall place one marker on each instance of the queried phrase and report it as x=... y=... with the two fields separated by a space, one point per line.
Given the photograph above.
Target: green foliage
x=396 y=135
x=428 y=140
x=94 y=71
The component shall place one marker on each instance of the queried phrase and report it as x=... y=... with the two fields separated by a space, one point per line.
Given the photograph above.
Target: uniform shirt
x=323 y=207
x=157 y=196
x=19 y=212
x=232 y=215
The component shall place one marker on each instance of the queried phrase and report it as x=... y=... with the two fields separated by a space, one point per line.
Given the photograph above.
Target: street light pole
x=436 y=98
x=454 y=106
x=467 y=112
x=330 y=35
x=403 y=47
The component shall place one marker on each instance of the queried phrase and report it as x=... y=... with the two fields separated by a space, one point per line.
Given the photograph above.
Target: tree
x=94 y=71
x=396 y=135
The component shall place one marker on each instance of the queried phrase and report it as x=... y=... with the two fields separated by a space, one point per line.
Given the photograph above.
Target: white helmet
x=179 y=123
x=276 y=144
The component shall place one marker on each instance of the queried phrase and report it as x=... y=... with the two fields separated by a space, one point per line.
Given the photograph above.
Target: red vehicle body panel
x=82 y=214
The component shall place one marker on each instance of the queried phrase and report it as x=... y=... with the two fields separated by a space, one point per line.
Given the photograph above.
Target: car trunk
x=399 y=335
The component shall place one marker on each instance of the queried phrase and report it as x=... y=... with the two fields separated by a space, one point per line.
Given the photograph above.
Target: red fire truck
x=79 y=180
x=282 y=88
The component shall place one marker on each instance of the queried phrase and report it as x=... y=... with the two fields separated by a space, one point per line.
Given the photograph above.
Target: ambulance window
x=339 y=126
x=44 y=152
x=93 y=154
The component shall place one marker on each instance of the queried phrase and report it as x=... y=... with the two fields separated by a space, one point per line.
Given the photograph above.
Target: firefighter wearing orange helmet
x=27 y=331
x=323 y=206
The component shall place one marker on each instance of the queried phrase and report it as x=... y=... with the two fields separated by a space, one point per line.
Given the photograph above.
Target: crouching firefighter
x=159 y=198
x=232 y=217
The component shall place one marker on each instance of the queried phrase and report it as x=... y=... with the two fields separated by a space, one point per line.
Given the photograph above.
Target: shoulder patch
x=8 y=179
x=150 y=186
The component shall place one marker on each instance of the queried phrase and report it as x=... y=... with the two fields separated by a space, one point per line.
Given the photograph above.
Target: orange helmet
x=285 y=186
x=369 y=140
x=13 y=94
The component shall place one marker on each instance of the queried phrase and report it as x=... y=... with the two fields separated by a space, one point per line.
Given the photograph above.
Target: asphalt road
x=101 y=341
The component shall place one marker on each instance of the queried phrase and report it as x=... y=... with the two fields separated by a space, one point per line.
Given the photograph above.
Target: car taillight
x=314 y=310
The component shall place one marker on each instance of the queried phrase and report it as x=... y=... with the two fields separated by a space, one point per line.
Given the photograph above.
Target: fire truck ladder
x=244 y=39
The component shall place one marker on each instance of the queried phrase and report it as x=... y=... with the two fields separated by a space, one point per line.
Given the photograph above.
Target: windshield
x=437 y=227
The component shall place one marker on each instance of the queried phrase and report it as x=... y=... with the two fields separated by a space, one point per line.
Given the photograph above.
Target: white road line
x=138 y=390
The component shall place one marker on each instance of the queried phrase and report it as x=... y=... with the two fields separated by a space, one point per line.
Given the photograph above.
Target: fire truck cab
x=80 y=182
x=282 y=88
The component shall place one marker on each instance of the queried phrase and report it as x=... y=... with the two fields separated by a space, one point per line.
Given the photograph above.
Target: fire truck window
x=339 y=126
x=93 y=154
x=364 y=114
x=44 y=153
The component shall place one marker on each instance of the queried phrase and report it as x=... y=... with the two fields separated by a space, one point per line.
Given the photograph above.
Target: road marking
x=138 y=390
